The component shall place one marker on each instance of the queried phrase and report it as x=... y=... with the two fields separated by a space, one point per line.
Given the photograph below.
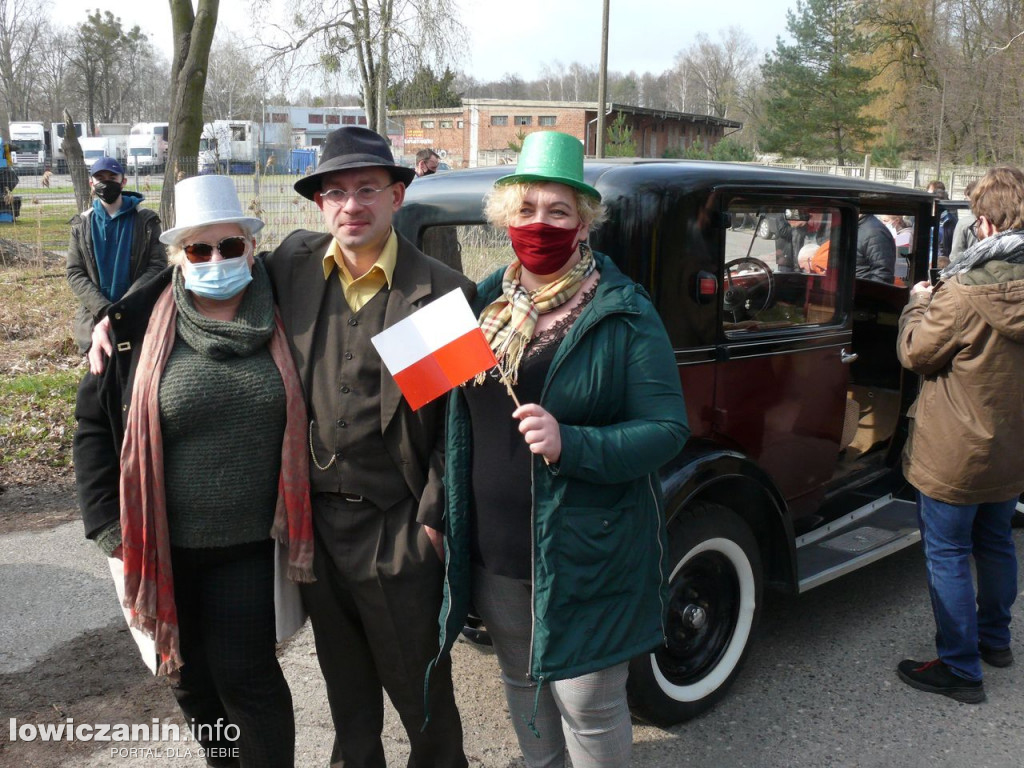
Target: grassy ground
x=39 y=370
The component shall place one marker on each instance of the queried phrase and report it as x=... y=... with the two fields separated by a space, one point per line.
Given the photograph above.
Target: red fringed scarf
x=148 y=580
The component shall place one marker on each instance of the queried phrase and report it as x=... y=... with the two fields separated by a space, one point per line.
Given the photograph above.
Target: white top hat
x=203 y=200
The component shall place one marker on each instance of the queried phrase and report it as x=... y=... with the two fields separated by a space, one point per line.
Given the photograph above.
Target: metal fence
x=47 y=202
x=47 y=205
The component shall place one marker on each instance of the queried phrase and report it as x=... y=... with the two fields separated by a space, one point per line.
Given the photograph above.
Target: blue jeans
x=950 y=534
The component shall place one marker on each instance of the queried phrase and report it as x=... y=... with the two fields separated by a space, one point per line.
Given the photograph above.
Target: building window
x=522 y=120
x=446 y=124
x=546 y=120
x=426 y=123
x=333 y=119
x=459 y=124
x=498 y=120
x=278 y=117
x=315 y=119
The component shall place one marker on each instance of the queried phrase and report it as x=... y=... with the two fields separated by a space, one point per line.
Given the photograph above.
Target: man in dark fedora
x=375 y=464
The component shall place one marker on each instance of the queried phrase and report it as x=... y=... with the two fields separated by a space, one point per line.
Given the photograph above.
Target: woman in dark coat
x=554 y=516
x=191 y=468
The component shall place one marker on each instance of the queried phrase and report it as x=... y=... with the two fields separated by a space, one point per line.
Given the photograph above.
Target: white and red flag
x=435 y=349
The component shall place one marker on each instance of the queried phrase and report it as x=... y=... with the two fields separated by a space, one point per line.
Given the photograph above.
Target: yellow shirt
x=360 y=290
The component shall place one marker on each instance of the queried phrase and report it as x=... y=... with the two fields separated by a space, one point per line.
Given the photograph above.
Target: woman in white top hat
x=191 y=463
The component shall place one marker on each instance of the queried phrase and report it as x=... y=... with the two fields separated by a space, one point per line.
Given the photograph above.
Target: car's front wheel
x=715 y=590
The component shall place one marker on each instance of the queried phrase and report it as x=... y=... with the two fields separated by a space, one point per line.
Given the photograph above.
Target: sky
x=644 y=35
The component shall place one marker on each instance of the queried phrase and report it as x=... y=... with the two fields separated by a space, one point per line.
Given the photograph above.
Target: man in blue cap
x=115 y=246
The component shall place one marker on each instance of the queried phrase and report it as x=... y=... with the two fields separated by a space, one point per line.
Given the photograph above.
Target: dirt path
x=37 y=507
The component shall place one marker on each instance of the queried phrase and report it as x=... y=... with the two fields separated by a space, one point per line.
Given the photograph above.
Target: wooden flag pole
x=508 y=387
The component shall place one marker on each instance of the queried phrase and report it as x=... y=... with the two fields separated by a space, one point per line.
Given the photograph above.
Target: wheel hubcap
x=703 y=612
x=694 y=617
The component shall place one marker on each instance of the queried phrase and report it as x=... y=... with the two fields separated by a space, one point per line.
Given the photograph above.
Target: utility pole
x=602 y=81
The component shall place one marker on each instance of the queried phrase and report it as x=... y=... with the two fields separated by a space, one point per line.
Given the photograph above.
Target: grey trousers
x=588 y=715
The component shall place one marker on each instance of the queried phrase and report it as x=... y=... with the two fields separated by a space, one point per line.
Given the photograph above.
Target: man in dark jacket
x=876 y=250
x=115 y=246
x=376 y=465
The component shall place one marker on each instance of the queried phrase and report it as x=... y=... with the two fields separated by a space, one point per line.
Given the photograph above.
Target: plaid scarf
x=508 y=321
x=149 y=582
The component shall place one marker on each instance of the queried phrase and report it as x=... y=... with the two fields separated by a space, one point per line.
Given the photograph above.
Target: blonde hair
x=176 y=250
x=502 y=204
x=999 y=197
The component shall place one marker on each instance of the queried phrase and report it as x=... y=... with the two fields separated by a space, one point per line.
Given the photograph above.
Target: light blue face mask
x=218 y=279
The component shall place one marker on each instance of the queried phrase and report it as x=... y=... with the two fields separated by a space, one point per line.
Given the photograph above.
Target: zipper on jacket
x=661 y=557
x=533 y=572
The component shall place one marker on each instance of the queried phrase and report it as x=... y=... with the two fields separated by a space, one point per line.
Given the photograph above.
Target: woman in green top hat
x=555 y=530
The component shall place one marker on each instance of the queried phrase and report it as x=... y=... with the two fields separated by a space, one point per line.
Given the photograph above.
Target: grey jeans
x=587 y=714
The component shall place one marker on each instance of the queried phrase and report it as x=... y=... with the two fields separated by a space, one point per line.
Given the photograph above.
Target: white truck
x=147 y=147
x=28 y=145
x=55 y=142
x=95 y=147
x=229 y=146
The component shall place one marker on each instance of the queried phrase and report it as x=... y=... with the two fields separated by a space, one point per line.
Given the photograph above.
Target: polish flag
x=435 y=349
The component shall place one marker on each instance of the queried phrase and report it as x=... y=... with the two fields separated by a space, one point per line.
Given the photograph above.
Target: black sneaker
x=996 y=657
x=936 y=677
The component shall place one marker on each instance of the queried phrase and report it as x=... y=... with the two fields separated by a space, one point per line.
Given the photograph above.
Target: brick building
x=479 y=132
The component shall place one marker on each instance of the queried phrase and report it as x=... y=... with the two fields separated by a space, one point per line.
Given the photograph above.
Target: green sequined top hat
x=551 y=156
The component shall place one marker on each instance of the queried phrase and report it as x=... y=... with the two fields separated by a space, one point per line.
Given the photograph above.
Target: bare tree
x=193 y=36
x=21 y=24
x=376 y=41
x=718 y=68
x=54 y=64
x=231 y=90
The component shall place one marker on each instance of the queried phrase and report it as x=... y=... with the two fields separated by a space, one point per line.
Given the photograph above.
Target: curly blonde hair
x=502 y=204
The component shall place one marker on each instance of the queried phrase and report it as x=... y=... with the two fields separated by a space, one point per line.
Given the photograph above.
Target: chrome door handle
x=847 y=357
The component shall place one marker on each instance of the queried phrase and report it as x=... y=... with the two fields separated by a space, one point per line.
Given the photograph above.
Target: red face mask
x=541 y=248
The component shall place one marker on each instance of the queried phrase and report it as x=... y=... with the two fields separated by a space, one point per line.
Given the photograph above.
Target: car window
x=780 y=267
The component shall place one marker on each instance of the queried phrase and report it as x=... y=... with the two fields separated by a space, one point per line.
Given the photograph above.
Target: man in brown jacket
x=375 y=464
x=965 y=454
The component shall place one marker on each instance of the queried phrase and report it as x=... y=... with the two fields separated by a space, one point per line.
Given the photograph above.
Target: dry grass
x=39 y=371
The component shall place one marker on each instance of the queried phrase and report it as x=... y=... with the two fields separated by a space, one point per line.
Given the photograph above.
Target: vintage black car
x=795 y=396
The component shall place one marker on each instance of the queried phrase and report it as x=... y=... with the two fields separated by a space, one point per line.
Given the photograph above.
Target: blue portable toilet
x=8 y=181
x=301 y=159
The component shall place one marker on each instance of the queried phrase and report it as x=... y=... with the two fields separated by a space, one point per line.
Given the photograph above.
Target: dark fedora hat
x=353 y=147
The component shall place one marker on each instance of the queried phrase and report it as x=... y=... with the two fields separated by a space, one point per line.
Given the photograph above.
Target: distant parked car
x=795 y=396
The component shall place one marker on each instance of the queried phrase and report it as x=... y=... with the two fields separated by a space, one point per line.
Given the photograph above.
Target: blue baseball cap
x=106 y=164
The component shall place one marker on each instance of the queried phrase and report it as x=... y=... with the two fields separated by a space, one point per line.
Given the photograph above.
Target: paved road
x=819 y=690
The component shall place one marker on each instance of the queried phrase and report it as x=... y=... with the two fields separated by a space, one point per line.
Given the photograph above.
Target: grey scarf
x=1003 y=246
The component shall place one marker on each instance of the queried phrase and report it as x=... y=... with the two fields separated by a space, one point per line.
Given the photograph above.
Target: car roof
x=624 y=176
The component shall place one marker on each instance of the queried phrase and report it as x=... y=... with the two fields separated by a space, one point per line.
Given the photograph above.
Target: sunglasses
x=229 y=248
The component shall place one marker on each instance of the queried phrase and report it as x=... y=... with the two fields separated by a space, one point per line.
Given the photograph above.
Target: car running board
x=870 y=533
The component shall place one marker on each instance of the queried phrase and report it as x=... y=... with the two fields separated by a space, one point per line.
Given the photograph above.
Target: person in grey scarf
x=964 y=454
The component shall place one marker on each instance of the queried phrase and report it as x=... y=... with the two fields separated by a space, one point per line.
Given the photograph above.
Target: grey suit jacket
x=415 y=440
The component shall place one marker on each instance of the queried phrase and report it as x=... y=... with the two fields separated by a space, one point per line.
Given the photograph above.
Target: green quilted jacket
x=598 y=528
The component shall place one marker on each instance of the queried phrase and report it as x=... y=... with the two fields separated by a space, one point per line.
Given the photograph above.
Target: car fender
x=704 y=471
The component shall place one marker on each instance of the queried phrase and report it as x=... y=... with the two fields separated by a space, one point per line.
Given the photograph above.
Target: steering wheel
x=749 y=287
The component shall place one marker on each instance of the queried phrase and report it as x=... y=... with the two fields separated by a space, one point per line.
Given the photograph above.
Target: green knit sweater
x=222 y=414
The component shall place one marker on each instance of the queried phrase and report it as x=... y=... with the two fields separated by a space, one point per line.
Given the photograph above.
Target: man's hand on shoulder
x=101 y=347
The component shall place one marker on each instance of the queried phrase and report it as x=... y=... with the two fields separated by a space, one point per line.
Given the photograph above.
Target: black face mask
x=107 y=191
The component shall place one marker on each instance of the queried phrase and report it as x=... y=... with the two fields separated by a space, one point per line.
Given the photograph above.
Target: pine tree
x=816 y=87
